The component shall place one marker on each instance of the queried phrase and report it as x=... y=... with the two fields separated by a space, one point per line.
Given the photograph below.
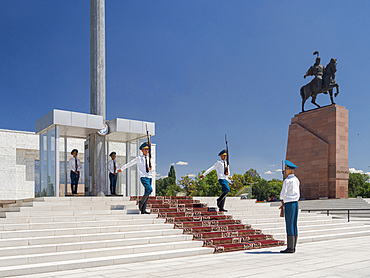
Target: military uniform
x=290 y=195
x=75 y=166
x=145 y=174
x=223 y=172
x=112 y=168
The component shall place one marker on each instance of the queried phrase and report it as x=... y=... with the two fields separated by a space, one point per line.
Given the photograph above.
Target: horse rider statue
x=323 y=82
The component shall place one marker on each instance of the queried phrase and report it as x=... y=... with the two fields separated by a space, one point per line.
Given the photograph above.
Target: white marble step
x=82 y=230
x=305 y=239
x=313 y=228
x=76 y=208
x=67 y=213
x=274 y=224
x=95 y=253
x=101 y=261
x=75 y=246
x=15 y=220
x=257 y=220
x=73 y=224
x=328 y=232
x=46 y=240
x=275 y=214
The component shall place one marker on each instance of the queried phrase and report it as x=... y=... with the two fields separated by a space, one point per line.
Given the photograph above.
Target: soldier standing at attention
x=144 y=163
x=112 y=168
x=290 y=195
x=75 y=166
x=223 y=172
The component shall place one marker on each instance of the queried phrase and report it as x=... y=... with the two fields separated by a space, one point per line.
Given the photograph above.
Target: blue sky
x=199 y=69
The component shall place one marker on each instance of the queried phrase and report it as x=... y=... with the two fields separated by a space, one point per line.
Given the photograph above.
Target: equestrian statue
x=323 y=82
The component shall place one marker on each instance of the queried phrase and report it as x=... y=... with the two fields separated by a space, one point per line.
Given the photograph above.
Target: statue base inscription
x=318 y=144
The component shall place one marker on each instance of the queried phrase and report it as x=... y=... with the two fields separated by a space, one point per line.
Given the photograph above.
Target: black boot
x=220 y=200
x=143 y=204
x=290 y=245
x=222 y=204
x=295 y=242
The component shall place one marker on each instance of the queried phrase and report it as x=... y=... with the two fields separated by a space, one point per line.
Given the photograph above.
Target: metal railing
x=329 y=210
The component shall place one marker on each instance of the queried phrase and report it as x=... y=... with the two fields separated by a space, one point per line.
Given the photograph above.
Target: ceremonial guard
x=290 y=195
x=144 y=166
x=112 y=168
x=75 y=166
x=223 y=171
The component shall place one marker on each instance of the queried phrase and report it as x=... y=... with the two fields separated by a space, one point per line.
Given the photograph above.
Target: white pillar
x=57 y=161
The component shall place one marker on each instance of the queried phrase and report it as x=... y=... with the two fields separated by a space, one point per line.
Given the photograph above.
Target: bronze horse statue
x=328 y=84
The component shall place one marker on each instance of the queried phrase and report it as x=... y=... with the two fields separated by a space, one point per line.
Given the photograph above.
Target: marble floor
x=334 y=258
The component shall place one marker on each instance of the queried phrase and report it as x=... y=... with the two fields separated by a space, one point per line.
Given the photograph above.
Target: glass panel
x=133 y=170
x=51 y=162
x=43 y=165
x=37 y=179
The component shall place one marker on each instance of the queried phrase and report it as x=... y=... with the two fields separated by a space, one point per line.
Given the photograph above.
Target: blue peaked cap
x=144 y=145
x=222 y=152
x=290 y=164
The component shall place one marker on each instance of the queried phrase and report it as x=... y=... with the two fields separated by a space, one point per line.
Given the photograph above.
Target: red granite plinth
x=318 y=144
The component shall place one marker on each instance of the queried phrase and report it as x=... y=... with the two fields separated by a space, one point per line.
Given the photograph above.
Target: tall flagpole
x=97 y=96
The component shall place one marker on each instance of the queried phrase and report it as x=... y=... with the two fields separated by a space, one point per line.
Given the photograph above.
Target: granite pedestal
x=318 y=144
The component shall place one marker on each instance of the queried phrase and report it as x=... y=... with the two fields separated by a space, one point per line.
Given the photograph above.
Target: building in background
x=24 y=175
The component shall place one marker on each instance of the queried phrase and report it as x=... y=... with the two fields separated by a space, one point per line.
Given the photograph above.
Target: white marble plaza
x=334 y=258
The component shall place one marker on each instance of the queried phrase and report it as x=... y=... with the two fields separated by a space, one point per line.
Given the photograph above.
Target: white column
x=65 y=167
x=57 y=161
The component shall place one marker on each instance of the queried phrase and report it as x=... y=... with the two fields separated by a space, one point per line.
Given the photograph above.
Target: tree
x=239 y=182
x=168 y=186
x=358 y=185
x=253 y=174
x=263 y=189
x=208 y=186
x=188 y=185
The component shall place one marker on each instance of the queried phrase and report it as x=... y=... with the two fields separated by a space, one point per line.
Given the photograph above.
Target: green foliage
x=262 y=189
x=357 y=185
x=188 y=185
x=168 y=186
x=208 y=186
x=240 y=182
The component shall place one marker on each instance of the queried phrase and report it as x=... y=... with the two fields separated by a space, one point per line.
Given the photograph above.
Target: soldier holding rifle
x=223 y=171
x=144 y=165
x=290 y=195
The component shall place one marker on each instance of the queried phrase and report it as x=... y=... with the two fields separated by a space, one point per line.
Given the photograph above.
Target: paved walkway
x=334 y=258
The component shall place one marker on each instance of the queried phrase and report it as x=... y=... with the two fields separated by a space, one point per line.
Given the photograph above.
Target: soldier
x=112 y=168
x=145 y=173
x=75 y=166
x=290 y=195
x=318 y=71
x=223 y=172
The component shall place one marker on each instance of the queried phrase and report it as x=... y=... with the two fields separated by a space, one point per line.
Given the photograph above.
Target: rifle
x=282 y=202
x=227 y=157
x=150 y=147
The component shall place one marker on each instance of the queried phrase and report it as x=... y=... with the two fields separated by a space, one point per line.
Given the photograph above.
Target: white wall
x=18 y=151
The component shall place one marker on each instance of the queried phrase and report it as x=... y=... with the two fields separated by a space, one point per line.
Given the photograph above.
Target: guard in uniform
x=145 y=173
x=112 y=168
x=223 y=172
x=290 y=195
x=75 y=166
